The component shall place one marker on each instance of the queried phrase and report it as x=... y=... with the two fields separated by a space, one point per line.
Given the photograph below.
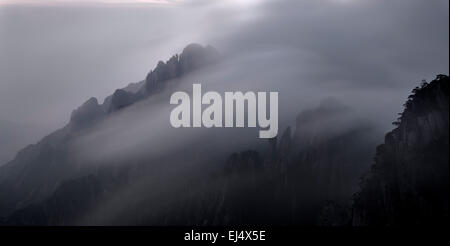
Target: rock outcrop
x=193 y=57
x=408 y=183
x=86 y=114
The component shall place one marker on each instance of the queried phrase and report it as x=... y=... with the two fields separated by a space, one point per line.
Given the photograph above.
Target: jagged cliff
x=408 y=183
x=39 y=169
x=194 y=56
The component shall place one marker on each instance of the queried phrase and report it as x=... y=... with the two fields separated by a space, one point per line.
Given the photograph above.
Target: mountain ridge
x=193 y=56
x=408 y=182
x=18 y=189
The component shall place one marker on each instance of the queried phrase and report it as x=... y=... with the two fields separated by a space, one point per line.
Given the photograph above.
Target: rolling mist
x=342 y=70
x=54 y=57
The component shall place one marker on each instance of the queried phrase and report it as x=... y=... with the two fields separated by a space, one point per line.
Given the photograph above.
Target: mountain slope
x=39 y=169
x=408 y=184
x=295 y=177
x=305 y=176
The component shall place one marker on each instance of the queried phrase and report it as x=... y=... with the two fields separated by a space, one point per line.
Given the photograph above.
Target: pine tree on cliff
x=408 y=183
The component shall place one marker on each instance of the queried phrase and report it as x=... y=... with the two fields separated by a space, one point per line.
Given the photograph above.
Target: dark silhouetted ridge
x=408 y=183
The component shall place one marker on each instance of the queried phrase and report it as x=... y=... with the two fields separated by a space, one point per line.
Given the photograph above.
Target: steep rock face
x=408 y=183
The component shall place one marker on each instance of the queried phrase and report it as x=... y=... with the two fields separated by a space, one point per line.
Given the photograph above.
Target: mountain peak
x=193 y=57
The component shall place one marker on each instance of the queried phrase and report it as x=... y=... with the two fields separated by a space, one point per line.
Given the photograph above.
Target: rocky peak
x=408 y=183
x=194 y=56
x=85 y=114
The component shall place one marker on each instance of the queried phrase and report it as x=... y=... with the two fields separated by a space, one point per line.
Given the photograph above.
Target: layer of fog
x=367 y=55
x=368 y=52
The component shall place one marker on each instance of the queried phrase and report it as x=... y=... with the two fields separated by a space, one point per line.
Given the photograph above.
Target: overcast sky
x=54 y=55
